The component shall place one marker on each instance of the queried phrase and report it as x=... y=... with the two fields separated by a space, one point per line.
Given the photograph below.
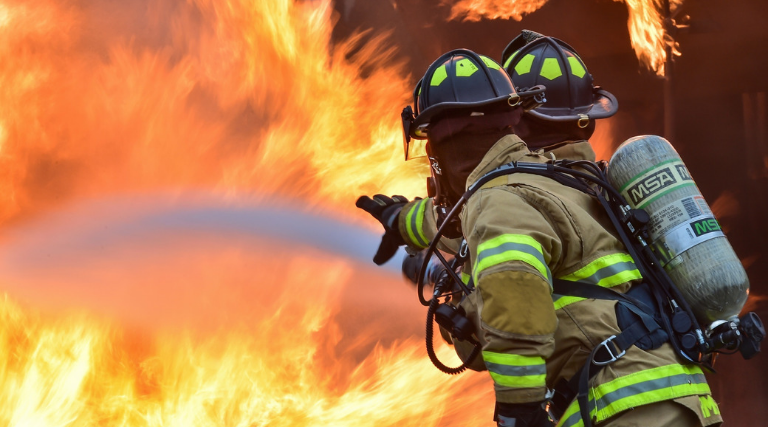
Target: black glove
x=522 y=415
x=385 y=210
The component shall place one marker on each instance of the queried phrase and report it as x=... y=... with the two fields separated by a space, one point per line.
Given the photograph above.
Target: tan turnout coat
x=524 y=230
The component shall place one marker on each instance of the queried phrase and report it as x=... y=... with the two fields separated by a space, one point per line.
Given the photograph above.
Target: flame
x=284 y=370
x=474 y=10
x=283 y=335
x=602 y=140
x=241 y=98
x=648 y=33
x=646 y=23
x=244 y=97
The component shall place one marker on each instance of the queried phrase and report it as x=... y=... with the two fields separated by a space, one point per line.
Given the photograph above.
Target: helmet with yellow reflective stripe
x=534 y=59
x=458 y=82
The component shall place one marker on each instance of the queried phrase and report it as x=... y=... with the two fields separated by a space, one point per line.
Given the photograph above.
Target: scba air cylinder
x=685 y=235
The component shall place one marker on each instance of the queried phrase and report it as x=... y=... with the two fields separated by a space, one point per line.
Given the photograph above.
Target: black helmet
x=459 y=82
x=533 y=59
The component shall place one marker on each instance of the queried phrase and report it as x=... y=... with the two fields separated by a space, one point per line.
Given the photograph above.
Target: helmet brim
x=420 y=126
x=605 y=105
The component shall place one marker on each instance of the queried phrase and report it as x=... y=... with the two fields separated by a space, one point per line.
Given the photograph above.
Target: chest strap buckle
x=608 y=350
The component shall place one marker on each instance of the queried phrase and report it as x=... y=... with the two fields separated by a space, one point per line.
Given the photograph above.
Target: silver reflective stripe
x=516 y=371
x=511 y=246
x=572 y=420
x=650 y=385
x=609 y=271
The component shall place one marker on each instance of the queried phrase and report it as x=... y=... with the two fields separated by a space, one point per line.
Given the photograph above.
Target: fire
x=282 y=371
x=246 y=97
x=647 y=27
x=236 y=97
x=184 y=326
x=474 y=10
x=648 y=32
x=603 y=141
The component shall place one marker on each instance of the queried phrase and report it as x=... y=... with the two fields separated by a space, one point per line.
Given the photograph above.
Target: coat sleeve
x=512 y=247
x=418 y=226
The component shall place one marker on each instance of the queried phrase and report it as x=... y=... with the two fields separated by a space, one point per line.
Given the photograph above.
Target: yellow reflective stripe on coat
x=571 y=417
x=414 y=221
x=511 y=247
x=607 y=271
x=513 y=370
x=465 y=278
x=637 y=389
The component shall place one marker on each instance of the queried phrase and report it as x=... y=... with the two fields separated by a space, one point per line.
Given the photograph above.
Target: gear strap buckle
x=514 y=100
x=611 y=349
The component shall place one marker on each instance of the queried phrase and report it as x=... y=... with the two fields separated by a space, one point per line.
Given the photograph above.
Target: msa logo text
x=704 y=226
x=652 y=184
x=682 y=172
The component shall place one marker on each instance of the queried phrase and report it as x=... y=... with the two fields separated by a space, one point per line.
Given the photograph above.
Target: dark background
x=719 y=113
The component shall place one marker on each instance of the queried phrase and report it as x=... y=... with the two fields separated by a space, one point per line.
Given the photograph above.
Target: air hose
x=433 y=304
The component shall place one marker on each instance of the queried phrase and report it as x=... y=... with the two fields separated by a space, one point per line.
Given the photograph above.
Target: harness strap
x=604 y=353
x=588 y=290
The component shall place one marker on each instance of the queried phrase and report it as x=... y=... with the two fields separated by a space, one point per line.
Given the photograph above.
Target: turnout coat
x=524 y=230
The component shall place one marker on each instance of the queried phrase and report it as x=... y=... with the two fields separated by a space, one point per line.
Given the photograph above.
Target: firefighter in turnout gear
x=524 y=232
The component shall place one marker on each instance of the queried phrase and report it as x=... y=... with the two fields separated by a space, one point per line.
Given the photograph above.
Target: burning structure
x=257 y=100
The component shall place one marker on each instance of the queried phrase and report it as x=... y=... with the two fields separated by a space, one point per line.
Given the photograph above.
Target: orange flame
x=648 y=34
x=278 y=358
x=234 y=96
x=646 y=23
x=474 y=10
x=241 y=96
x=602 y=141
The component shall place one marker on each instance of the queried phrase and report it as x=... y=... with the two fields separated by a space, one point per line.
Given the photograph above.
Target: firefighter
x=525 y=230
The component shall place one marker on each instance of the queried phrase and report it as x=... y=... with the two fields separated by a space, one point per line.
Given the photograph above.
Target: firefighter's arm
x=418 y=226
x=512 y=245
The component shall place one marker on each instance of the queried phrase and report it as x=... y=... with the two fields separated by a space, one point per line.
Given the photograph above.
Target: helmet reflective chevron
x=533 y=59
x=459 y=82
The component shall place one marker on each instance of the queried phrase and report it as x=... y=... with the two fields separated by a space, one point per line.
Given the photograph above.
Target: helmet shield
x=414 y=148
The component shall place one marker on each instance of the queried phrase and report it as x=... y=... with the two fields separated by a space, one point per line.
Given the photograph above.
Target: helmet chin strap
x=439 y=179
x=443 y=203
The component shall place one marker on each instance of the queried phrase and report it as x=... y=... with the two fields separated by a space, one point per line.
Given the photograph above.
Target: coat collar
x=510 y=148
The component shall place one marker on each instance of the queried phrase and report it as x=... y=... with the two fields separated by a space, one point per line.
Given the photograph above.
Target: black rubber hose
x=433 y=247
x=431 y=349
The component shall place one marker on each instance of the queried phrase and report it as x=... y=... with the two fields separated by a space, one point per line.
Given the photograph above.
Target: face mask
x=459 y=144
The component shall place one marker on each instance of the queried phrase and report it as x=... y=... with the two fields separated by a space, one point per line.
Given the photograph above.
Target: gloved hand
x=385 y=210
x=522 y=415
